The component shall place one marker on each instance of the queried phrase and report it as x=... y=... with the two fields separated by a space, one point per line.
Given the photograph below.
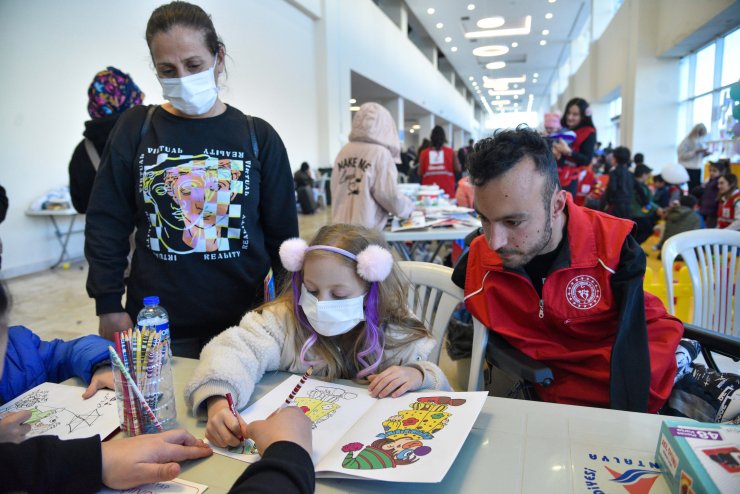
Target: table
x=398 y=239
x=514 y=447
x=62 y=235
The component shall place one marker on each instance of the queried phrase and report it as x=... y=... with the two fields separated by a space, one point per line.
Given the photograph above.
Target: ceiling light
x=503 y=82
x=352 y=101
x=354 y=108
x=448 y=39
x=543 y=42
x=430 y=11
x=411 y=131
x=548 y=15
x=471 y=6
x=453 y=49
x=495 y=65
x=512 y=31
x=440 y=25
x=516 y=86
x=552 y=1
x=509 y=92
x=491 y=51
x=514 y=44
x=491 y=22
x=471 y=78
x=516 y=96
x=535 y=75
x=534 y=81
x=545 y=32
x=501 y=102
x=416 y=126
x=475 y=83
x=497 y=97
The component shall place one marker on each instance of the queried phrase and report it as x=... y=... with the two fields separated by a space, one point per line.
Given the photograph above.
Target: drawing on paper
x=322 y=402
x=401 y=442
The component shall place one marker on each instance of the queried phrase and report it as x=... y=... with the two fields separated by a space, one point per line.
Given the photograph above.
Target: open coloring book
x=59 y=410
x=414 y=438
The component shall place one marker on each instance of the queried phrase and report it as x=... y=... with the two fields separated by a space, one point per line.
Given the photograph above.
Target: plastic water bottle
x=154 y=317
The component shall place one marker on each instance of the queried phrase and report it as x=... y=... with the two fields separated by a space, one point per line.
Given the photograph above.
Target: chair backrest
x=433 y=297
x=711 y=257
x=321 y=185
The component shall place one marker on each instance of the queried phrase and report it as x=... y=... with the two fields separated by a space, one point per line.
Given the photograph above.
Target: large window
x=706 y=76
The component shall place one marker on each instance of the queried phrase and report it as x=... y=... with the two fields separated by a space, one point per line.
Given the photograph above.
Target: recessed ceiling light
x=411 y=131
x=354 y=108
x=471 y=78
x=516 y=86
x=514 y=44
x=453 y=49
x=491 y=51
x=497 y=97
x=516 y=96
x=543 y=42
x=548 y=15
x=416 y=126
x=509 y=92
x=495 y=65
x=491 y=22
x=471 y=6
x=545 y=32
x=352 y=101
x=448 y=39
x=430 y=11
x=535 y=75
x=440 y=25
x=552 y=1
x=534 y=81
x=490 y=91
x=523 y=30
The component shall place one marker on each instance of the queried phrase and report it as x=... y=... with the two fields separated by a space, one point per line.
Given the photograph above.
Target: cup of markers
x=142 y=374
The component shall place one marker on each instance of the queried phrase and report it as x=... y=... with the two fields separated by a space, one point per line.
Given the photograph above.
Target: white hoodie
x=363 y=182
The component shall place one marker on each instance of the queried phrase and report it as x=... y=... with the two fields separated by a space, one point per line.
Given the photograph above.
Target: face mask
x=194 y=94
x=332 y=317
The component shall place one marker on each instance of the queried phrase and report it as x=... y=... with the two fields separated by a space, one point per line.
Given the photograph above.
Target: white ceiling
x=527 y=59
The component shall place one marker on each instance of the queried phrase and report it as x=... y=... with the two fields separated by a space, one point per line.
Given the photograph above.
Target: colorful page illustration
x=414 y=438
x=175 y=486
x=59 y=410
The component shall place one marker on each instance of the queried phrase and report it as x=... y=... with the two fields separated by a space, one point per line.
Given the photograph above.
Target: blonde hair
x=699 y=130
x=338 y=355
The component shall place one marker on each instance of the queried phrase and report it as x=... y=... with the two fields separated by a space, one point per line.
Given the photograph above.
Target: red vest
x=572 y=327
x=568 y=173
x=437 y=167
x=726 y=210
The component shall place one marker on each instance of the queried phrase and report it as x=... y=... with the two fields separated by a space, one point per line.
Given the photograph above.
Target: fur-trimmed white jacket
x=235 y=360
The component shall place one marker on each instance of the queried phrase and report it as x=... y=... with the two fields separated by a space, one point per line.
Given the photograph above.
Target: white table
x=61 y=235
x=443 y=234
x=515 y=447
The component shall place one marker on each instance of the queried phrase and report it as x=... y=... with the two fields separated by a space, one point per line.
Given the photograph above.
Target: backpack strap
x=253 y=137
x=92 y=153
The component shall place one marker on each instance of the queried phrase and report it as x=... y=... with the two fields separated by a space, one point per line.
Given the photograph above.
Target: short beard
x=527 y=256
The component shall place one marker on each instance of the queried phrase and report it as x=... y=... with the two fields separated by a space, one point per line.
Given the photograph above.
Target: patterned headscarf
x=112 y=91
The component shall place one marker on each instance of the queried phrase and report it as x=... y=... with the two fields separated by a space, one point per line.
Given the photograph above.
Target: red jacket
x=438 y=167
x=726 y=210
x=570 y=170
x=574 y=327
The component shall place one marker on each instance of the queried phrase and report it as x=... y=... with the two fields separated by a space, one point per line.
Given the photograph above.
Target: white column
x=427 y=124
x=396 y=109
x=459 y=139
x=448 y=134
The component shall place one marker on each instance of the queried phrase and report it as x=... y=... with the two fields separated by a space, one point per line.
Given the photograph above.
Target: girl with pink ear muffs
x=342 y=311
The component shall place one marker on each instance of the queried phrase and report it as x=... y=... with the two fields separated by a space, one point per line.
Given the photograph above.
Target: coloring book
x=413 y=438
x=59 y=410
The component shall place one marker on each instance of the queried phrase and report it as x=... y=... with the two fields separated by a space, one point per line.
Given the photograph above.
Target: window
x=730 y=64
x=704 y=73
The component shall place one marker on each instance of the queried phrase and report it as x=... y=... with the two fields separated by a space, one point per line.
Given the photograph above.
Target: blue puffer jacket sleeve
x=30 y=361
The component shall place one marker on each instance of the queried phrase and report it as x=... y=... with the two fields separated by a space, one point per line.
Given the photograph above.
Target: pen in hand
x=232 y=407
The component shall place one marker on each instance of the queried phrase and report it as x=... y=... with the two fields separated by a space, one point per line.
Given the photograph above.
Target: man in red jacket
x=563 y=284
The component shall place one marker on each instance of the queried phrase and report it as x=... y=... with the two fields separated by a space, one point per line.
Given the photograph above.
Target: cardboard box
x=698 y=458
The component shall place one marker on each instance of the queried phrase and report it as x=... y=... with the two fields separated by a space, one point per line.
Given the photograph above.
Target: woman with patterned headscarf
x=111 y=93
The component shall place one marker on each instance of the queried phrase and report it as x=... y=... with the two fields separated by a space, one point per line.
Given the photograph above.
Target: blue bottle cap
x=153 y=300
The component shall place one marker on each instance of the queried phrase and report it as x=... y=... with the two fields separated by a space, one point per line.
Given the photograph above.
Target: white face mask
x=194 y=94
x=332 y=317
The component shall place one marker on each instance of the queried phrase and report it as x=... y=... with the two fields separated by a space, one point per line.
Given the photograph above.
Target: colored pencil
x=136 y=389
x=232 y=407
x=298 y=387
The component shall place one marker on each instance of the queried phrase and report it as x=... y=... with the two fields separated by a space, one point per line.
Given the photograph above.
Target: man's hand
x=149 y=458
x=12 y=428
x=115 y=321
x=394 y=381
x=103 y=378
x=285 y=424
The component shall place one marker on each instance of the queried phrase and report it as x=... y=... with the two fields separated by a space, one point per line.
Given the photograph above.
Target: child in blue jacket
x=30 y=361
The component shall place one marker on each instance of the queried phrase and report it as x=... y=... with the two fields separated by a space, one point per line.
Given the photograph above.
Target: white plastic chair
x=321 y=197
x=711 y=255
x=433 y=297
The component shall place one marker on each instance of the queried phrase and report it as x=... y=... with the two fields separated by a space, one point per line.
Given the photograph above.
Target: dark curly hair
x=494 y=156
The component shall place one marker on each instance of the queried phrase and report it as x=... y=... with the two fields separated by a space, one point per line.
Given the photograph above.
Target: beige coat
x=364 y=180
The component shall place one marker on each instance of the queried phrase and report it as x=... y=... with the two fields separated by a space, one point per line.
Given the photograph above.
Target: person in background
x=30 y=361
x=551 y=122
x=644 y=211
x=691 y=154
x=196 y=219
x=111 y=93
x=364 y=181
x=660 y=191
x=438 y=163
x=462 y=153
x=621 y=189
x=728 y=210
x=709 y=195
x=675 y=176
x=680 y=218
x=464 y=192
x=302 y=177
x=573 y=157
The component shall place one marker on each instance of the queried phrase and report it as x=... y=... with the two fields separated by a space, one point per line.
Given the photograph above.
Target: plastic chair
x=321 y=197
x=711 y=257
x=433 y=297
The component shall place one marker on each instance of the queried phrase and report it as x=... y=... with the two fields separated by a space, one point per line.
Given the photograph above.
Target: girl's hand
x=103 y=378
x=394 y=381
x=12 y=428
x=223 y=429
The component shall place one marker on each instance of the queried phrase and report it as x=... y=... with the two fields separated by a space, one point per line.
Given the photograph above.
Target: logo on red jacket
x=583 y=292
